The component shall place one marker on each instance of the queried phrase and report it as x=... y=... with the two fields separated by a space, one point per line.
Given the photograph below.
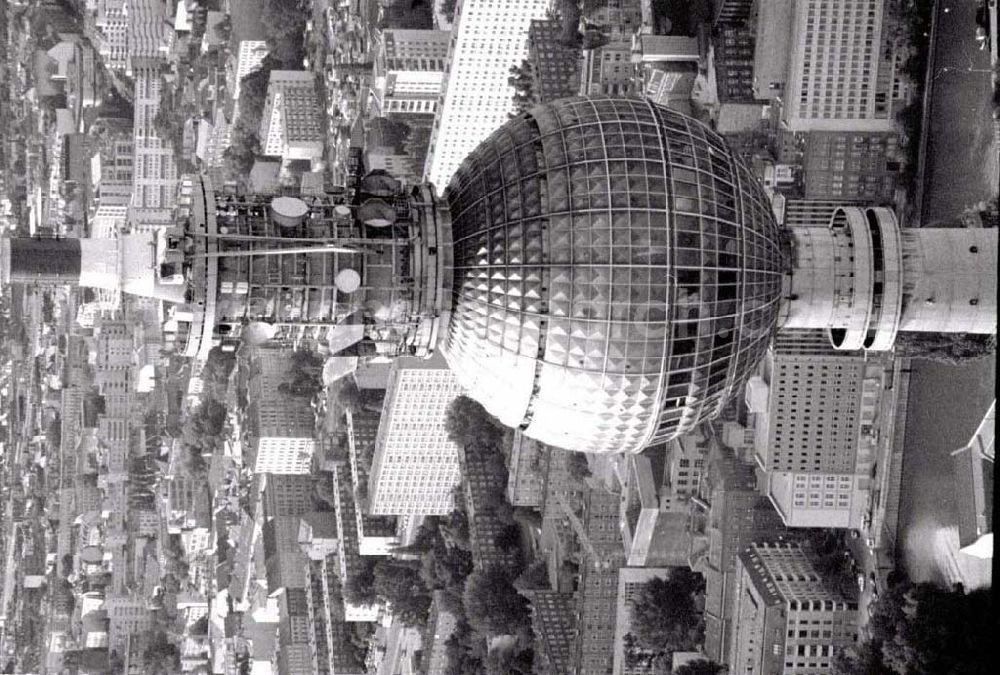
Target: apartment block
x=488 y=38
x=291 y=125
x=555 y=68
x=854 y=165
x=415 y=465
x=832 y=64
x=789 y=620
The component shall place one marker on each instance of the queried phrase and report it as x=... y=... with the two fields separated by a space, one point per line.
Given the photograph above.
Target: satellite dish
x=376 y=213
x=289 y=211
x=342 y=210
x=258 y=332
x=380 y=184
x=347 y=280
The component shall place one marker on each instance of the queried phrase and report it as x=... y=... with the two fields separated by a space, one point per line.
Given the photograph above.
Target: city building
x=488 y=39
x=287 y=494
x=247 y=59
x=860 y=166
x=528 y=466
x=653 y=516
x=734 y=45
x=486 y=531
x=279 y=426
x=415 y=467
x=608 y=70
x=555 y=68
x=789 y=619
x=154 y=171
x=597 y=595
x=112 y=23
x=291 y=125
x=815 y=410
x=413 y=49
x=410 y=70
x=737 y=516
x=554 y=624
x=832 y=64
x=150 y=35
x=127 y=615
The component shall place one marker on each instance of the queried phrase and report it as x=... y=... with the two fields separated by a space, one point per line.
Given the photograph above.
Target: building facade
x=415 y=466
x=853 y=165
x=841 y=66
x=555 y=68
x=290 y=126
x=789 y=619
x=489 y=38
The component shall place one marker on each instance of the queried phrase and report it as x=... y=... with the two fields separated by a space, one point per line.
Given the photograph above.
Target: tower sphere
x=618 y=273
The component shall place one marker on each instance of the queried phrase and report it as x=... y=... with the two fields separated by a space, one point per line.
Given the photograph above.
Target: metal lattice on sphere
x=618 y=273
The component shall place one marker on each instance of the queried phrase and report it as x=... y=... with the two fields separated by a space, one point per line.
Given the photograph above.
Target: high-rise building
x=154 y=171
x=813 y=436
x=413 y=49
x=832 y=64
x=291 y=125
x=790 y=620
x=488 y=39
x=416 y=466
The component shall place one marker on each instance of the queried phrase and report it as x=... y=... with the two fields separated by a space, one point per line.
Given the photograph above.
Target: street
x=960 y=130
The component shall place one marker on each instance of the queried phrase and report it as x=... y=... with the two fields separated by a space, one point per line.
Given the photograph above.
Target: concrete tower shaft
x=864 y=279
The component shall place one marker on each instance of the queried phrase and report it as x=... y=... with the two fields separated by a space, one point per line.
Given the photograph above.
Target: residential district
x=290 y=386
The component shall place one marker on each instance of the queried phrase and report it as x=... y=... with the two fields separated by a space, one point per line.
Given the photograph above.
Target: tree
x=199 y=627
x=447 y=8
x=664 y=615
x=492 y=604
x=242 y=151
x=467 y=422
x=923 y=629
x=398 y=583
x=577 y=466
x=534 y=577
x=700 y=667
x=160 y=656
x=954 y=348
